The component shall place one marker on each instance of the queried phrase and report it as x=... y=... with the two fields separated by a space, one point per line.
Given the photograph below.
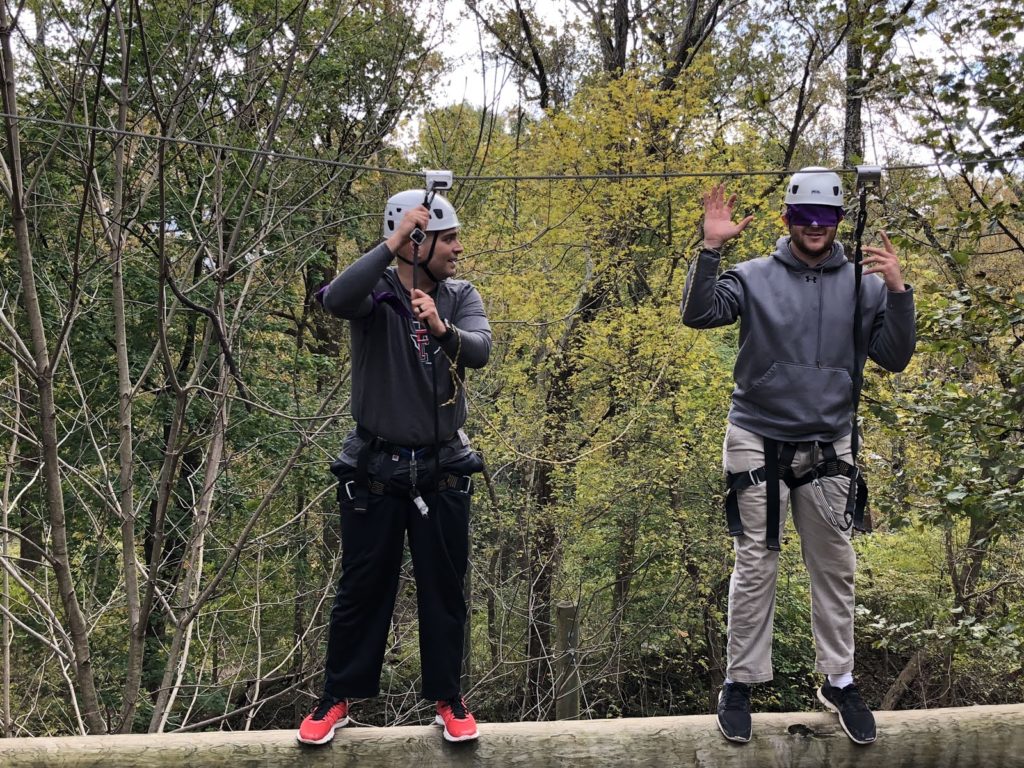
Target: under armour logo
x=811 y=278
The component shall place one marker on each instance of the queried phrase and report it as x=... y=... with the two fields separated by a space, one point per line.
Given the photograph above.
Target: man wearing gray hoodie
x=788 y=439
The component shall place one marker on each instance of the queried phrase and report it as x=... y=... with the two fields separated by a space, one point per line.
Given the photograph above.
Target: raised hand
x=884 y=262
x=719 y=227
x=414 y=217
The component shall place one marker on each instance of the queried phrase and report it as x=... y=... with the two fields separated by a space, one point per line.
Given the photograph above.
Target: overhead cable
x=609 y=176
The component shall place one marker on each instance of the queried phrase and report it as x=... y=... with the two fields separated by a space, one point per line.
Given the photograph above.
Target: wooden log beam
x=972 y=737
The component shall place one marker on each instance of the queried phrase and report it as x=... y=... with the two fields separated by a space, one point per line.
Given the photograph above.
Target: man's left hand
x=424 y=310
x=884 y=262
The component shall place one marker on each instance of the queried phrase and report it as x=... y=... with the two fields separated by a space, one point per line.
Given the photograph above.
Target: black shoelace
x=737 y=697
x=323 y=707
x=458 y=707
x=850 y=697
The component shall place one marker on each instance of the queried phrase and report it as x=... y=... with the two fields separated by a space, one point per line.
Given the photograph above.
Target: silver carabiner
x=820 y=493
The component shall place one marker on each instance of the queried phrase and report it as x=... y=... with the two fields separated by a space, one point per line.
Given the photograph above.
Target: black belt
x=446 y=482
x=372 y=442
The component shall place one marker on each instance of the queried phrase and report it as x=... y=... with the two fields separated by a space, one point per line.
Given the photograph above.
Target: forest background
x=180 y=177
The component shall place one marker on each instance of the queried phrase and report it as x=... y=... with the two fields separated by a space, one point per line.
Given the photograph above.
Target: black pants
x=371 y=561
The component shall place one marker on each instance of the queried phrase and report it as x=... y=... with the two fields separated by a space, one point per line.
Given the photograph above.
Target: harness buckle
x=467 y=487
x=348 y=488
x=752 y=475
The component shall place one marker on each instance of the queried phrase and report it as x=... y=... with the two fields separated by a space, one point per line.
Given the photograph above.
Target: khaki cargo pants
x=826 y=550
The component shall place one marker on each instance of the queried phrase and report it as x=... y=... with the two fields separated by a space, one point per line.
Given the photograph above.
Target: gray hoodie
x=795 y=365
x=392 y=387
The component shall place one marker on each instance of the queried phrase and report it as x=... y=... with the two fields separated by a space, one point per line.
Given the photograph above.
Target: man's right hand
x=414 y=217
x=719 y=228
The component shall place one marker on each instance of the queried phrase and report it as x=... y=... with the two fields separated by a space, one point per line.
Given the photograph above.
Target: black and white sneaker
x=854 y=715
x=734 y=711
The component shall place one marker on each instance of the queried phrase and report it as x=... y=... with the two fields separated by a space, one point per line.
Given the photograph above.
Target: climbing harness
x=384 y=482
x=778 y=457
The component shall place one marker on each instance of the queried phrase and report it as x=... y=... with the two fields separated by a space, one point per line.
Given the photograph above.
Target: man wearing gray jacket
x=407 y=466
x=788 y=440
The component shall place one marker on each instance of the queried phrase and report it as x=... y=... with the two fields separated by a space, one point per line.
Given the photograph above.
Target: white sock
x=841 y=681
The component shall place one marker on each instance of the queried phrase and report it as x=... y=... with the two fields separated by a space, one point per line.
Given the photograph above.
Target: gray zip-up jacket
x=392 y=385
x=794 y=370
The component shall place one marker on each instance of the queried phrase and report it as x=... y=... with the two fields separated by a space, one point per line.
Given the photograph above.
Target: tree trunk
x=543 y=546
x=43 y=374
x=189 y=605
x=29 y=511
x=853 y=131
x=976 y=737
x=6 y=629
x=301 y=585
x=903 y=681
x=126 y=447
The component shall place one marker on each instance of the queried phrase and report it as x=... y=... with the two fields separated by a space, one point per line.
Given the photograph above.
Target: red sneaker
x=458 y=722
x=319 y=726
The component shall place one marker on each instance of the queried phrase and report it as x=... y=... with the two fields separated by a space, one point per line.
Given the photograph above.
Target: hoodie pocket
x=806 y=396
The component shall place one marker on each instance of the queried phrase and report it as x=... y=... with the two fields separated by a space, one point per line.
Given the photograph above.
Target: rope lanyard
x=867 y=178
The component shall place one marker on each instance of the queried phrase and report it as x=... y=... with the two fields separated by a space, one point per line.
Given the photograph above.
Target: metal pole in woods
x=567 y=688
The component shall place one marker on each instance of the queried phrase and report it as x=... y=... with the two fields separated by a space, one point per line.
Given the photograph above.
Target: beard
x=805 y=249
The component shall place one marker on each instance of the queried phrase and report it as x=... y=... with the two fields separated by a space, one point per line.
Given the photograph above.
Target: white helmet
x=815 y=185
x=442 y=214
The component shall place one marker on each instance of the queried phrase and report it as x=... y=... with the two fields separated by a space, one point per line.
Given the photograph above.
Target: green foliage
x=600 y=416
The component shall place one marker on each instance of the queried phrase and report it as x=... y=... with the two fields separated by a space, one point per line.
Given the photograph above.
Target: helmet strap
x=430 y=255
